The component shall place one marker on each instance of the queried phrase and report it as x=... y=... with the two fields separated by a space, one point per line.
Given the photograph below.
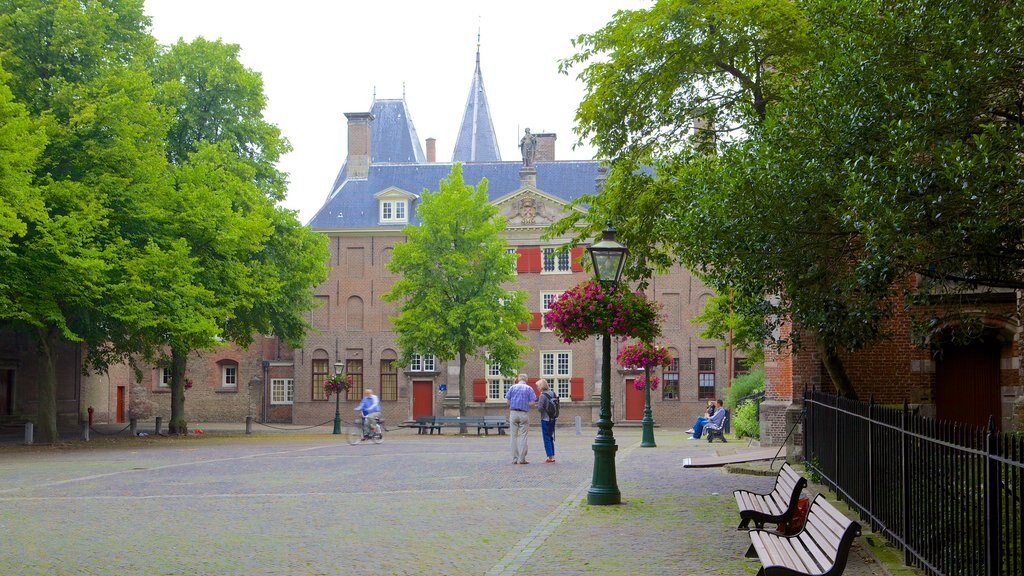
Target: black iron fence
x=947 y=494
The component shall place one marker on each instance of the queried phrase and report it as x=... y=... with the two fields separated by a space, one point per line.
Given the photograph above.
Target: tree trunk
x=177 y=425
x=462 y=387
x=45 y=423
x=836 y=370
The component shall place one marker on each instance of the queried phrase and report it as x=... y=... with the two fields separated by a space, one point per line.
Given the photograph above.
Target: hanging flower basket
x=590 y=309
x=336 y=384
x=640 y=382
x=644 y=356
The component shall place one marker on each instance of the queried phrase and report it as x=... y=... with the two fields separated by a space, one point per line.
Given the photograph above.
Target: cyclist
x=370 y=408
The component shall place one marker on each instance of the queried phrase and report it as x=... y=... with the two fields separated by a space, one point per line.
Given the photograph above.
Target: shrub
x=745 y=421
x=744 y=385
x=745 y=415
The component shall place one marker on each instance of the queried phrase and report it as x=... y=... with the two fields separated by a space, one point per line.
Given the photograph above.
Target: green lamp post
x=339 y=369
x=647 y=424
x=608 y=257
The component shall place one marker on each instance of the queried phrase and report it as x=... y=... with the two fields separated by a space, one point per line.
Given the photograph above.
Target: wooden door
x=120 y=404
x=634 y=402
x=422 y=398
x=967 y=387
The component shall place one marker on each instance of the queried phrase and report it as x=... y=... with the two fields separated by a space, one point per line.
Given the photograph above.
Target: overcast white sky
x=320 y=59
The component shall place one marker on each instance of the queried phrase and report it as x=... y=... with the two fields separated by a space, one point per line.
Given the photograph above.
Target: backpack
x=552 y=407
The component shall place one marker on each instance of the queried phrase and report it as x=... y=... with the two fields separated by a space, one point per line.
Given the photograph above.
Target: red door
x=634 y=402
x=422 y=398
x=967 y=384
x=120 y=403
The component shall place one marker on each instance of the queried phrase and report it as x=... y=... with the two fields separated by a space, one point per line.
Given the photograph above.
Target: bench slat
x=822 y=547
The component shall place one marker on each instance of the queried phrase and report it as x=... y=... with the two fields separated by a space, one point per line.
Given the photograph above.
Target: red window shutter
x=522 y=326
x=576 y=388
x=533 y=384
x=535 y=322
x=479 y=389
x=576 y=261
x=535 y=260
x=522 y=260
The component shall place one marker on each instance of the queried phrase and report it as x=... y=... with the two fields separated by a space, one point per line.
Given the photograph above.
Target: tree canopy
x=888 y=143
x=454 y=266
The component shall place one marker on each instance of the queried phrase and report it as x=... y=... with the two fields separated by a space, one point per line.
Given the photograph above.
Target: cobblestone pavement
x=309 y=504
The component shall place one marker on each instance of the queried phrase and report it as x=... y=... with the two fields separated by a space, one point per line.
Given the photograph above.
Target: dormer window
x=394 y=205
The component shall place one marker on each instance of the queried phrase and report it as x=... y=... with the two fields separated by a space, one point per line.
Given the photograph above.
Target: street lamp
x=608 y=257
x=339 y=369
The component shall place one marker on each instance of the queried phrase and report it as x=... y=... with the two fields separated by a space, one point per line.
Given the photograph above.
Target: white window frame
x=546 y=298
x=282 y=391
x=561 y=262
x=229 y=376
x=556 y=368
x=423 y=363
x=497 y=385
x=164 y=378
x=394 y=211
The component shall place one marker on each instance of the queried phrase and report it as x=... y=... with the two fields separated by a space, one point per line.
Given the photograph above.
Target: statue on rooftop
x=529 y=147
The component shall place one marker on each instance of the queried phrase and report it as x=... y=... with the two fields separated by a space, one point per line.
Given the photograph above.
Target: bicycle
x=355 y=432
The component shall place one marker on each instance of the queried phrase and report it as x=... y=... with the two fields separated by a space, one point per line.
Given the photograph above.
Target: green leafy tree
x=243 y=264
x=738 y=319
x=79 y=71
x=452 y=295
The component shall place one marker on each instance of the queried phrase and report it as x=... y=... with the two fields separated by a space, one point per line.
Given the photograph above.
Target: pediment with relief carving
x=529 y=208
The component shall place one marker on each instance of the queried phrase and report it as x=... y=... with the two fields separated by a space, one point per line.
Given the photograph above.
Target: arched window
x=354 y=320
x=321 y=369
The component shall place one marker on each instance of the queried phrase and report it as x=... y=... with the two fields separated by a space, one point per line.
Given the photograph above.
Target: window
x=354 y=368
x=388 y=380
x=670 y=381
x=319 y=378
x=164 y=380
x=393 y=211
x=546 y=299
x=739 y=367
x=423 y=363
x=556 y=368
x=229 y=376
x=556 y=262
x=282 y=390
x=705 y=378
x=497 y=385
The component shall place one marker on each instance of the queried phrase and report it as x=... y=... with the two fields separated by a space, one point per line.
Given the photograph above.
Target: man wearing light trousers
x=519 y=397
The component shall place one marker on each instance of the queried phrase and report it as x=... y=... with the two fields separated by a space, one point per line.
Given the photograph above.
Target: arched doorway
x=967 y=384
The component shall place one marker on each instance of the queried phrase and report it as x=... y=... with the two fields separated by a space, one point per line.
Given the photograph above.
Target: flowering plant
x=590 y=308
x=640 y=382
x=336 y=384
x=643 y=355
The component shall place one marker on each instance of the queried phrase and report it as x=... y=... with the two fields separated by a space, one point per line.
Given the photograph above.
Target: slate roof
x=352 y=205
x=476 y=141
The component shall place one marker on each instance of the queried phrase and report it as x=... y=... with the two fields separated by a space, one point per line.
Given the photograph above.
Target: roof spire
x=476 y=141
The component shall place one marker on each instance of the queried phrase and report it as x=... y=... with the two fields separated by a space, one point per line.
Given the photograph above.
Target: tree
x=453 y=267
x=737 y=319
x=888 y=143
x=244 y=265
x=79 y=71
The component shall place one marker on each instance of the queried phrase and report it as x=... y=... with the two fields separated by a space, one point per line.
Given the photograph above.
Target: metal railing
x=949 y=495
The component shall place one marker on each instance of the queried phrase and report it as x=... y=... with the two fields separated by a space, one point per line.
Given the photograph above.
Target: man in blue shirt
x=370 y=407
x=717 y=418
x=519 y=397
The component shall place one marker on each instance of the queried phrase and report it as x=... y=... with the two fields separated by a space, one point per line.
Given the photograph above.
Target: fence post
x=992 y=552
x=248 y=424
x=85 y=431
x=133 y=426
x=159 y=424
x=871 y=460
x=835 y=442
x=905 y=472
x=29 y=432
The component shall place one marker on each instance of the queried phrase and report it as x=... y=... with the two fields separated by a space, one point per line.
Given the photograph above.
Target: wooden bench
x=485 y=423
x=777 y=506
x=821 y=548
x=712 y=431
x=423 y=424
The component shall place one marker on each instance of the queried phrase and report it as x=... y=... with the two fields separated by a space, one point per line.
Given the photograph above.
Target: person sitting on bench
x=701 y=422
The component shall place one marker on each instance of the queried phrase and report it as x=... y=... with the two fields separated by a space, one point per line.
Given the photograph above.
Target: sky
x=322 y=58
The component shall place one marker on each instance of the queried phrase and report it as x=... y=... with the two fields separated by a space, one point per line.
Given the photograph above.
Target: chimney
x=431 y=150
x=601 y=179
x=358 y=144
x=546 y=147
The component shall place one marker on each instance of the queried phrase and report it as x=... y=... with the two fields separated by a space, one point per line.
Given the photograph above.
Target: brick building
x=948 y=378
